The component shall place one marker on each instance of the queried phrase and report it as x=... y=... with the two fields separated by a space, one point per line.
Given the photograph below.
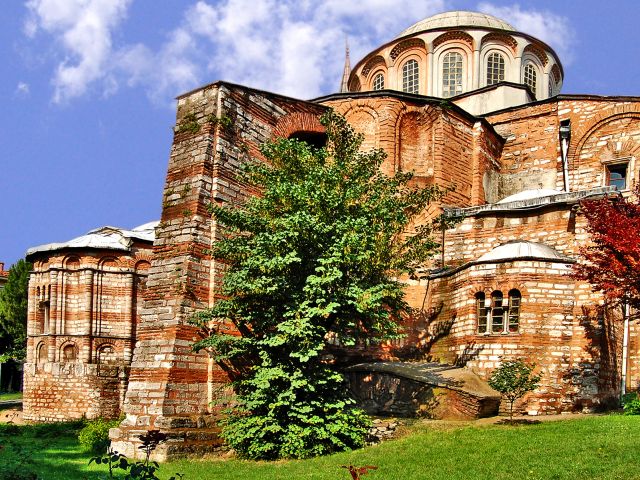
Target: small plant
x=142 y=470
x=513 y=379
x=94 y=437
x=631 y=404
x=224 y=121
x=356 y=472
x=189 y=124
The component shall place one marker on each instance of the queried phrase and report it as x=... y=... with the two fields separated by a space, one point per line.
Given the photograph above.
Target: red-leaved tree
x=612 y=262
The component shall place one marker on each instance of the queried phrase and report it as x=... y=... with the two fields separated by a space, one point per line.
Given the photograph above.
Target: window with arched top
x=513 y=313
x=497 y=312
x=550 y=90
x=452 y=71
x=495 y=68
x=410 y=76
x=69 y=353
x=530 y=77
x=378 y=82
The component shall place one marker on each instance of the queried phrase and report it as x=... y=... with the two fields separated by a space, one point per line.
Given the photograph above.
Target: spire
x=344 y=86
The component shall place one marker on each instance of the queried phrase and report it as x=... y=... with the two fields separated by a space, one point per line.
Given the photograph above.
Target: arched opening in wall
x=313 y=139
x=107 y=360
x=42 y=353
x=497 y=312
x=513 y=315
x=69 y=353
x=452 y=74
x=106 y=355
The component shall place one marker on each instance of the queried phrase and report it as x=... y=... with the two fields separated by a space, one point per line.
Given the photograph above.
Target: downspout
x=565 y=137
x=625 y=349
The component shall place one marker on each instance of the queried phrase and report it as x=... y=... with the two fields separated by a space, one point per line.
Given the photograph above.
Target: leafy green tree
x=513 y=379
x=13 y=312
x=313 y=260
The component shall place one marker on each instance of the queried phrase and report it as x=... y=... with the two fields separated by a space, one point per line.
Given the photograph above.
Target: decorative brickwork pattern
x=458 y=36
x=502 y=38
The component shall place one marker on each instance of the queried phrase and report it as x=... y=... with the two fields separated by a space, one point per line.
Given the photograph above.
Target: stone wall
x=81 y=329
x=172 y=388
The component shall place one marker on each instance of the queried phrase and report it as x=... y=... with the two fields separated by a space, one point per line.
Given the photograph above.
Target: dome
x=457 y=19
x=522 y=249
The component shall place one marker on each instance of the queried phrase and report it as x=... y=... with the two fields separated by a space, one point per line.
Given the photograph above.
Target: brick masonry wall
x=81 y=327
x=218 y=128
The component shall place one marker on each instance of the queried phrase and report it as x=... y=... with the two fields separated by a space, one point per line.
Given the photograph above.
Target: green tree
x=513 y=379
x=13 y=312
x=313 y=260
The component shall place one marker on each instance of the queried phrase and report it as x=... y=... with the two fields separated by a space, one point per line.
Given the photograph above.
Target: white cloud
x=294 y=47
x=549 y=27
x=22 y=89
x=83 y=28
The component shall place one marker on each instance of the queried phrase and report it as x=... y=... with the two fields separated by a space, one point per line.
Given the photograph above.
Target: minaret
x=344 y=86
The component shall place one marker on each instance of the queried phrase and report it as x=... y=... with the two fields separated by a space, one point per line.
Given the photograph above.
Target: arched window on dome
x=410 y=76
x=530 y=77
x=452 y=71
x=378 y=81
x=495 y=68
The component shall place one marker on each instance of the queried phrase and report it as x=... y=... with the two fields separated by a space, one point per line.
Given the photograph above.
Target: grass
x=11 y=396
x=602 y=447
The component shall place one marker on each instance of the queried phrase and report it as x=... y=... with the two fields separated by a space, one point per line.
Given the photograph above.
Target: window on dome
x=378 y=82
x=410 y=77
x=530 y=77
x=616 y=175
x=495 y=68
x=550 y=88
x=451 y=74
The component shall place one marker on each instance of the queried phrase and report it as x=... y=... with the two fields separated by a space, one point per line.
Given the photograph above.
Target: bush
x=631 y=404
x=94 y=437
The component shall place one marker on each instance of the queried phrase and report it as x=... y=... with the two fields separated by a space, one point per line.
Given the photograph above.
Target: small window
x=513 y=315
x=530 y=77
x=550 y=88
x=617 y=175
x=378 y=82
x=481 y=312
x=497 y=312
x=452 y=74
x=495 y=68
x=410 y=77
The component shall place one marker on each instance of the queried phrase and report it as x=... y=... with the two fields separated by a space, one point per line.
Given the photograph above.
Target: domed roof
x=458 y=18
x=522 y=249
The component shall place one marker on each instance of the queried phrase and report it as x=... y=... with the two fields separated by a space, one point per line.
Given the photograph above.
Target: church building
x=463 y=100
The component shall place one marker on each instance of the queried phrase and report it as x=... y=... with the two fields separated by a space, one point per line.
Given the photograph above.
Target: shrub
x=94 y=437
x=513 y=379
x=631 y=404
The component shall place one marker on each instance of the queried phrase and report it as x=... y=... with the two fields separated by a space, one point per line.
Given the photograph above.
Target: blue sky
x=87 y=86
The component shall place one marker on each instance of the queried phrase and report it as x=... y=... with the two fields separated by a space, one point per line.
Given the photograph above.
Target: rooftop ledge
x=530 y=203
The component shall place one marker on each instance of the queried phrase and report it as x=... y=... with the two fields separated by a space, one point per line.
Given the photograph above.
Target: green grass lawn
x=11 y=396
x=603 y=447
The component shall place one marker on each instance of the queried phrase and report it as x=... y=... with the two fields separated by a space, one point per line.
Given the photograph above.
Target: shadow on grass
x=50 y=451
x=517 y=421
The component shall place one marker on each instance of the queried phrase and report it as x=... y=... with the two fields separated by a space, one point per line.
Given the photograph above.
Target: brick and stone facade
x=83 y=315
x=499 y=288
